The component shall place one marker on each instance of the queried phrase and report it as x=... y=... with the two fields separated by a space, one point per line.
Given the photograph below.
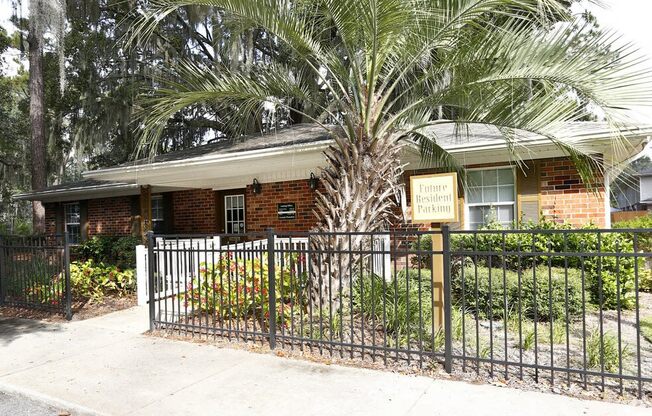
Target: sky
x=631 y=19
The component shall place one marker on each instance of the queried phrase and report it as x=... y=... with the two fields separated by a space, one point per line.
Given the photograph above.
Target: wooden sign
x=434 y=198
x=287 y=211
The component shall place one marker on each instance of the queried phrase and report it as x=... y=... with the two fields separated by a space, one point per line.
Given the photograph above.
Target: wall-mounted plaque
x=287 y=211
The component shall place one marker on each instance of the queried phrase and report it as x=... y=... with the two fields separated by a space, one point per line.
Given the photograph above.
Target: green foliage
x=94 y=281
x=227 y=290
x=646 y=328
x=35 y=280
x=405 y=302
x=605 y=350
x=490 y=304
x=117 y=250
x=645 y=280
x=539 y=249
x=644 y=239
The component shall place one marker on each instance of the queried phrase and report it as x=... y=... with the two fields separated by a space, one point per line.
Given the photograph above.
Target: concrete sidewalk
x=105 y=366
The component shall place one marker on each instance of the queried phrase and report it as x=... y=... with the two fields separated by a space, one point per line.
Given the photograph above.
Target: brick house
x=269 y=180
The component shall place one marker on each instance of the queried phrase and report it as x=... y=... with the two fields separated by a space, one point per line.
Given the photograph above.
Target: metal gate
x=35 y=273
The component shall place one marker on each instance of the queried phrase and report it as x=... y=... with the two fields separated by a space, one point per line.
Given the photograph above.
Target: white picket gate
x=175 y=267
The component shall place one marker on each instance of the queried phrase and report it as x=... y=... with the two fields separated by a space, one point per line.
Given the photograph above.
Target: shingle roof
x=295 y=135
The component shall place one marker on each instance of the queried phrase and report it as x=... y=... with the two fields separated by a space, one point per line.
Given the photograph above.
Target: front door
x=231 y=213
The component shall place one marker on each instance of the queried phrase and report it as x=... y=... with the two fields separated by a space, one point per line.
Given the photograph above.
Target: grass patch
x=646 y=328
x=605 y=351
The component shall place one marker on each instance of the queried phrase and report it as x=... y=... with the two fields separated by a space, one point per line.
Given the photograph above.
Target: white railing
x=178 y=260
x=175 y=267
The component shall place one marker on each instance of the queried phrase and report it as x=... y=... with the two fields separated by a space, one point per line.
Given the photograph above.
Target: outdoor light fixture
x=313 y=182
x=256 y=186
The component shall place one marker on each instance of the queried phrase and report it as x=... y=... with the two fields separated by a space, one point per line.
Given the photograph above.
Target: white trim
x=467 y=205
x=244 y=213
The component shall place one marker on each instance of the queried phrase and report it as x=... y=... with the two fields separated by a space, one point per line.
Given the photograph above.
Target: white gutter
x=209 y=159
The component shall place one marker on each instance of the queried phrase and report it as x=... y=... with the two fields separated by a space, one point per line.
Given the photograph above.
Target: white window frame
x=467 y=205
x=243 y=220
x=73 y=238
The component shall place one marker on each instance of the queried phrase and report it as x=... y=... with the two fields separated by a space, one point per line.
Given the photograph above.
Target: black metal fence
x=561 y=306
x=35 y=273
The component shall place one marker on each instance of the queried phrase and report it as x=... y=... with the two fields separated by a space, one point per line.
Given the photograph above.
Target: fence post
x=3 y=271
x=448 y=331
x=271 y=275
x=150 y=278
x=66 y=266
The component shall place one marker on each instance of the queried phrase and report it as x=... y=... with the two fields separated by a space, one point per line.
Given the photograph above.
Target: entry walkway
x=105 y=366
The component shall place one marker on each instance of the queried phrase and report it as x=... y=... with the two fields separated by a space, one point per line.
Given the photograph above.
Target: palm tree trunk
x=362 y=185
x=36 y=115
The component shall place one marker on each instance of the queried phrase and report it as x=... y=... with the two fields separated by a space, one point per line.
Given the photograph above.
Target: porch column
x=145 y=210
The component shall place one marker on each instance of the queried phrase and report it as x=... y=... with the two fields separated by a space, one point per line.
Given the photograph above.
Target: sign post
x=434 y=202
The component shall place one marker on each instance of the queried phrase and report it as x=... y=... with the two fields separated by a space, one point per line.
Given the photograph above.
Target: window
x=234 y=214
x=157 y=213
x=490 y=196
x=72 y=220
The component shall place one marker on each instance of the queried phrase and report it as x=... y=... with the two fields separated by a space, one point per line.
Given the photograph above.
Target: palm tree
x=376 y=73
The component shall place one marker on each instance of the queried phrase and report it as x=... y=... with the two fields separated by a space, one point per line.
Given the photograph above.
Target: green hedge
x=491 y=304
x=600 y=271
x=119 y=251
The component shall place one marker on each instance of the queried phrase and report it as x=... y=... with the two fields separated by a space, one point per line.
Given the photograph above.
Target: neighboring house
x=265 y=181
x=636 y=196
x=645 y=189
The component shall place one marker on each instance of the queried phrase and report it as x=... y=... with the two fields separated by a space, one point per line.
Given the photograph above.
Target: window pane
x=506 y=193
x=474 y=195
x=475 y=214
x=506 y=214
x=490 y=194
x=489 y=177
x=506 y=176
x=228 y=202
x=73 y=231
x=475 y=178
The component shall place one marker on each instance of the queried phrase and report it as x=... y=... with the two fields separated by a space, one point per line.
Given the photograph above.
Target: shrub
x=600 y=271
x=491 y=304
x=645 y=280
x=120 y=251
x=606 y=351
x=239 y=292
x=397 y=301
x=644 y=239
x=90 y=280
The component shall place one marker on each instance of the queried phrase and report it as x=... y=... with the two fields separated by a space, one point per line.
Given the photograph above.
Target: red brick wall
x=194 y=211
x=50 y=218
x=109 y=216
x=262 y=209
x=565 y=197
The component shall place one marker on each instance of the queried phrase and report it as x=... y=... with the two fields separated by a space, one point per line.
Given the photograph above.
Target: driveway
x=105 y=366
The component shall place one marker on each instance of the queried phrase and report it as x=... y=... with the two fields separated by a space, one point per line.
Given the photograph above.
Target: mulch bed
x=81 y=310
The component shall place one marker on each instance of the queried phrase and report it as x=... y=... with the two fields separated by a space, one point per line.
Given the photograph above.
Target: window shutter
x=135 y=215
x=168 y=213
x=83 y=219
x=528 y=180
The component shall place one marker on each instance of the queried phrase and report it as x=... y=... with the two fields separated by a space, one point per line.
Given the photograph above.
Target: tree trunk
x=36 y=115
x=362 y=185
